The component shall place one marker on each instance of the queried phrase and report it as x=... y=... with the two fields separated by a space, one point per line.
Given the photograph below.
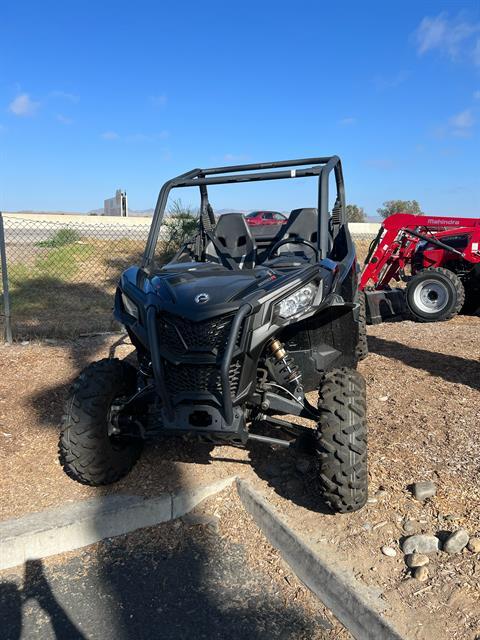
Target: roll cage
x=329 y=224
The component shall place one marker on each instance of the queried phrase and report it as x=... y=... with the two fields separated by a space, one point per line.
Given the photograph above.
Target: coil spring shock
x=285 y=367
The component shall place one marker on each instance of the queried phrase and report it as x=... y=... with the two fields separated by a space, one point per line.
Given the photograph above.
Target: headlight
x=297 y=302
x=130 y=307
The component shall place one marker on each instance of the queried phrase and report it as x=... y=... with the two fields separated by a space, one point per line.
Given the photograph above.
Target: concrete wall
x=356 y=228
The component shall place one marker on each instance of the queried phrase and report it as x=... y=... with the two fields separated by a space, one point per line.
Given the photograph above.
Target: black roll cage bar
x=321 y=167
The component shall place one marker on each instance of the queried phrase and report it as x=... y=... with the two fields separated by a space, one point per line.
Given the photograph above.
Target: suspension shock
x=286 y=369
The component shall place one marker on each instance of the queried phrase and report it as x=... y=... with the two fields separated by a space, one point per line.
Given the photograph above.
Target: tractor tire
x=434 y=295
x=361 y=351
x=341 y=441
x=87 y=453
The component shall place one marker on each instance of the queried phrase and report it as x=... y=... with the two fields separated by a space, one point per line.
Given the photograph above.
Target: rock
x=388 y=551
x=25 y=342
x=456 y=541
x=372 y=501
x=383 y=398
x=424 y=490
x=411 y=526
x=420 y=543
x=416 y=560
x=302 y=466
x=380 y=494
x=421 y=573
x=474 y=545
x=367 y=526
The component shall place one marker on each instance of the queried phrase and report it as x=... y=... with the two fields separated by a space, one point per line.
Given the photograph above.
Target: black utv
x=230 y=335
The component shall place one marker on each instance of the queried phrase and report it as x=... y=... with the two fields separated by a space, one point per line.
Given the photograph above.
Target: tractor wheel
x=88 y=454
x=361 y=350
x=341 y=440
x=434 y=294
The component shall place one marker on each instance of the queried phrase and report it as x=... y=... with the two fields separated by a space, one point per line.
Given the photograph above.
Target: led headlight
x=297 y=302
x=130 y=307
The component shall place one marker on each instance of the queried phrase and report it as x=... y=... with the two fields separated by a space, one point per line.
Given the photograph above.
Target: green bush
x=61 y=238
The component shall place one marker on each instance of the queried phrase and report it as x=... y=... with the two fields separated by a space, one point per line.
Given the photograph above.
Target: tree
x=355 y=213
x=400 y=206
x=180 y=225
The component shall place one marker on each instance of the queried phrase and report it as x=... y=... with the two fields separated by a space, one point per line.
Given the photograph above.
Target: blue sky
x=96 y=95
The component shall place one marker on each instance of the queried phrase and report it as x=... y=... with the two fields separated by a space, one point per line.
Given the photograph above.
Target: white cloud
x=450 y=36
x=63 y=119
x=159 y=101
x=135 y=137
x=346 y=122
x=71 y=97
x=462 y=123
x=463 y=120
x=23 y=105
x=110 y=135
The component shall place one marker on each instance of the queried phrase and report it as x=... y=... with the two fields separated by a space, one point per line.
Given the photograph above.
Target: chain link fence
x=62 y=275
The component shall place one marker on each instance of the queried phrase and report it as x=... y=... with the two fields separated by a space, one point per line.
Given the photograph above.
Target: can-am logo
x=201 y=298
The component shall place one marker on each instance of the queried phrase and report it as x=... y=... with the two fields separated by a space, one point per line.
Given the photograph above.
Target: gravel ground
x=423 y=383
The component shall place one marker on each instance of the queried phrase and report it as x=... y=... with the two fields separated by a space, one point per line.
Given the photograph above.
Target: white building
x=117 y=206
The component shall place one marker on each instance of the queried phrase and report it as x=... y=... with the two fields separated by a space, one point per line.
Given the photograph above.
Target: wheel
x=341 y=440
x=361 y=350
x=434 y=294
x=88 y=454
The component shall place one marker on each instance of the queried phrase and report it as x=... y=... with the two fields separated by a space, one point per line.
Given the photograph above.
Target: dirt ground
x=423 y=383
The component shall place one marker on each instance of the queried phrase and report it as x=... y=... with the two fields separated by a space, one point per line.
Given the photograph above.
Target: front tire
x=87 y=453
x=435 y=295
x=341 y=440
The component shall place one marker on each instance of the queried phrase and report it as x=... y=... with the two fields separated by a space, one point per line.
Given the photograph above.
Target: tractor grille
x=180 y=335
x=199 y=377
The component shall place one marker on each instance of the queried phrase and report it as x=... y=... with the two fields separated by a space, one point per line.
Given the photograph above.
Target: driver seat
x=234 y=242
x=302 y=224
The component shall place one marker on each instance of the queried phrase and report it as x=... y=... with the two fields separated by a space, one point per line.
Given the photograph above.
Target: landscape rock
x=372 y=501
x=421 y=573
x=388 y=551
x=420 y=543
x=416 y=560
x=424 y=490
x=456 y=541
x=474 y=545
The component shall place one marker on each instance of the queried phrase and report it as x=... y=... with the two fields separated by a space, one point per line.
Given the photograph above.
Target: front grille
x=199 y=377
x=179 y=335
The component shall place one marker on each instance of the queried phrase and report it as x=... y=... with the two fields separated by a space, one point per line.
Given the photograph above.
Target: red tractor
x=438 y=258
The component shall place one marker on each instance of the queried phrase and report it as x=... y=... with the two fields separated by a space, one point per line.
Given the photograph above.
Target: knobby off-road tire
x=361 y=350
x=434 y=295
x=87 y=453
x=341 y=440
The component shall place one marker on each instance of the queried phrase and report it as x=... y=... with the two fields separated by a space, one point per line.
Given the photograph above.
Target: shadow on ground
x=450 y=368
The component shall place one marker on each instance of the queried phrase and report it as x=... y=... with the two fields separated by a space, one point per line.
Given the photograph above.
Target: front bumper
x=198 y=383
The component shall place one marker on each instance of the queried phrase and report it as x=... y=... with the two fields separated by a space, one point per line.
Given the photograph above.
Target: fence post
x=6 y=294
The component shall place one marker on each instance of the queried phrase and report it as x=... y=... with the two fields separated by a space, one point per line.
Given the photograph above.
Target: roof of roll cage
x=258 y=171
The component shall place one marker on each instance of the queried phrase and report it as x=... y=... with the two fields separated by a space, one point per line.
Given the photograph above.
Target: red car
x=256 y=218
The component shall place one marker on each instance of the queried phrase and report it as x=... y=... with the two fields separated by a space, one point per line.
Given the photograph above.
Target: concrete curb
x=357 y=607
x=70 y=527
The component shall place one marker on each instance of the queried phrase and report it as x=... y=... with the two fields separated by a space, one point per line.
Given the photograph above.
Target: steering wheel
x=280 y=243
